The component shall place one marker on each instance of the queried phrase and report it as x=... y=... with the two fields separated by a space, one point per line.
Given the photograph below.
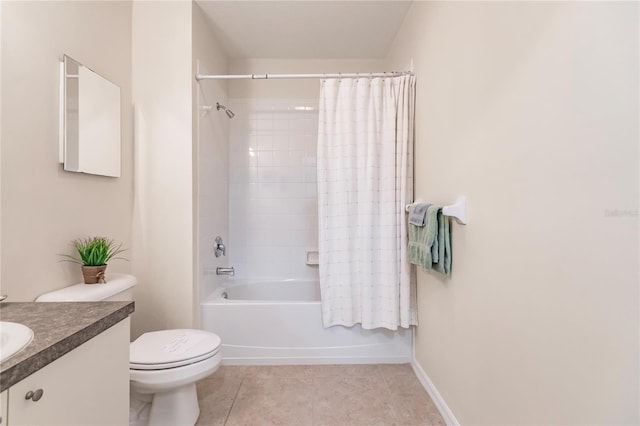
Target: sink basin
x=13 y=338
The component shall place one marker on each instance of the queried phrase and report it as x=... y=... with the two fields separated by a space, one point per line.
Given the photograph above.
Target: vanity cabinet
x=87 y=386
x=3 y=408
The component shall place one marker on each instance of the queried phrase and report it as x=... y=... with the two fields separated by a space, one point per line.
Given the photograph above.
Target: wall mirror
x=89 y=121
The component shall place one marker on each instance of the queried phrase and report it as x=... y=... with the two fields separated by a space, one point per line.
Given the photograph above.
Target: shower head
x=226 y=110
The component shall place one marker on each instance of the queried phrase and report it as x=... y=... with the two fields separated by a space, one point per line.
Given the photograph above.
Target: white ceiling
x=305 y=29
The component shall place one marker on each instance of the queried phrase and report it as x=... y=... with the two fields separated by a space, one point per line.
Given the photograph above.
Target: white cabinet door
x=3 y=408
x=88 y=386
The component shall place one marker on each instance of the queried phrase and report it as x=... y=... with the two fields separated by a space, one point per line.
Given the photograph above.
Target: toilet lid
x=171 y=348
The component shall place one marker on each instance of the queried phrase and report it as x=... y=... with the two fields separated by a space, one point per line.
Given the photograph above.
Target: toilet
x=164 y=366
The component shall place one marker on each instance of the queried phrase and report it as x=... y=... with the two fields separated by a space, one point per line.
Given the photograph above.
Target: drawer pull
x=34 y=396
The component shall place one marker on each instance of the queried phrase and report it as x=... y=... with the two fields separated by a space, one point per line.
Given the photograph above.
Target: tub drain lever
x=225 y=271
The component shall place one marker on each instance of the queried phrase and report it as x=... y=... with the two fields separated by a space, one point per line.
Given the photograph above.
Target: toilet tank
x=119 y=287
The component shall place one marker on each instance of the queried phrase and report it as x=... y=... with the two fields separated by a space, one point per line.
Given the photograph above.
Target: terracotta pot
x=94 y=274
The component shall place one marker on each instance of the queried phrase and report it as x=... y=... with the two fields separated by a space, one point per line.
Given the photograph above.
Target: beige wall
x=44 y=207
x=163 y=240
x=211 y=157
x=531 y=111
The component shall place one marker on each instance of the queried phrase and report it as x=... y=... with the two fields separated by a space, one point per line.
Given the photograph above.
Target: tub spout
x=225 y=271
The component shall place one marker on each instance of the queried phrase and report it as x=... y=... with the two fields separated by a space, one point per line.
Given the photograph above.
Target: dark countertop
x=58 y=328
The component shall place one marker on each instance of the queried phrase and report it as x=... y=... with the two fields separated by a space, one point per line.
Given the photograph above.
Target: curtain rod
x=283 y=76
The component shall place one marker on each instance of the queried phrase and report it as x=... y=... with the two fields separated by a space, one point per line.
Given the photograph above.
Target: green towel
x=442 y=263
x=430 y=245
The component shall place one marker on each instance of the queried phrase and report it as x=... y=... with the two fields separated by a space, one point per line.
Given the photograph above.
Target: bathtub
x=280 y=322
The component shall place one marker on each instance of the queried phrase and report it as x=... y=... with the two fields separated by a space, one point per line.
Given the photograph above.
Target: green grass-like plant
x=95 y=251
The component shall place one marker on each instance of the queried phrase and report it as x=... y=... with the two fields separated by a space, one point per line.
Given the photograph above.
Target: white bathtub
x=280 y=322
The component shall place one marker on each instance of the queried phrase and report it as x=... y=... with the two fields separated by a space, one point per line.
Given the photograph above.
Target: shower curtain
x=365 y=166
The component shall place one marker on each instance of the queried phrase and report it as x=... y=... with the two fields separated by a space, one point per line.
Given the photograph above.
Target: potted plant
x=94 y=253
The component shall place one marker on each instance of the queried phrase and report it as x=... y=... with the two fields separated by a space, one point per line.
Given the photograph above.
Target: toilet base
x=178 y=407
x=139 y=408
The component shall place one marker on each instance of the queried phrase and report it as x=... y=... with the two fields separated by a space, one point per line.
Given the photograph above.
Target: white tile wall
x=273 y=216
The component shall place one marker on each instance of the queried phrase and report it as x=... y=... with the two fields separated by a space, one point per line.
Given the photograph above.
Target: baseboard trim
x=428 y=385
x=314 y=360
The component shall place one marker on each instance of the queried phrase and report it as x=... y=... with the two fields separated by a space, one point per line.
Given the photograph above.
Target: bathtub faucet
x=225 y=271
x=219 y=249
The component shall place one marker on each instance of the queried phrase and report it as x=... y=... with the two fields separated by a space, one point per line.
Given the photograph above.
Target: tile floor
x=300 y=395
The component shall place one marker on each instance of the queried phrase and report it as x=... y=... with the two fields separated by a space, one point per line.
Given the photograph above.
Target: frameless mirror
x=89 y=121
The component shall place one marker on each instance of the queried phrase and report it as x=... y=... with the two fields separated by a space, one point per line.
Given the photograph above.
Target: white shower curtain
x=365 y=164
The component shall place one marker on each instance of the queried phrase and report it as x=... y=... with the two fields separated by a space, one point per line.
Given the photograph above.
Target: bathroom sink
x=13 y=338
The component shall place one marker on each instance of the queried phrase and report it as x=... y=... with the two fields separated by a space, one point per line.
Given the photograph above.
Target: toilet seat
x=154 y=381
x=164 y=366
x=160 y=350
